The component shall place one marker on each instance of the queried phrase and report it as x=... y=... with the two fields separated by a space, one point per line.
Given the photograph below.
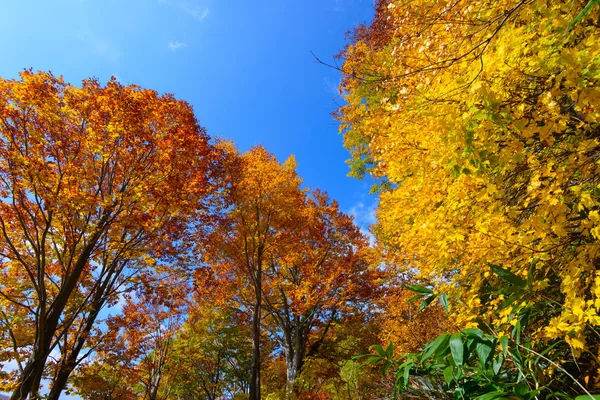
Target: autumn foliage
x=289 y=255
x=90 y=183
x=141 y=260
x=481 y=119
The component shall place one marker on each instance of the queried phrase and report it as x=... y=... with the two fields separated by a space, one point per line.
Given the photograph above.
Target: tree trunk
x=255 y=366
x=29 y=381
x=31 y=377
x=294 y=355
x=60 y=381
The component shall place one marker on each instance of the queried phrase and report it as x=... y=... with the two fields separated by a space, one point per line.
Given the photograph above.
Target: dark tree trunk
x=28 y=383
x=256 y=320
x=71 y=360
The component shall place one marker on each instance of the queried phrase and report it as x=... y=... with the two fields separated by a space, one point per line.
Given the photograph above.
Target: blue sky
x=245 y=66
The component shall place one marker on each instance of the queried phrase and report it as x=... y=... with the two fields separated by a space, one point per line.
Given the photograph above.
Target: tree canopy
x=481 y=119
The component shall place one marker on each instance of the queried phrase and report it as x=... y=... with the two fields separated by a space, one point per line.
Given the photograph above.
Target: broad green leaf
x=457 y=348
x=407 y=374
x=448 y=376
x=403 y=373
x=530 y=275
x=504 y=343
x=389 y=352
x=473 y=332
x=386 y=367
x=508 y=276
x=360 y=357
x=373 y=360
x=379 y=349
x=586 y=10
x=414 y=298
x=493 y=395
x=516 y=332
x=440 y=342
x=483 y=350
x=427 y=301
x=418 y=289
x=511 y=299
x=497 y=364
x=444 y=300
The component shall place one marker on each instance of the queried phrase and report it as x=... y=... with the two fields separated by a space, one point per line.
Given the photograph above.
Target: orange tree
x=292 y=258
x=326 y=276
x=261 y=221
x=481 y=118
x=90 y=193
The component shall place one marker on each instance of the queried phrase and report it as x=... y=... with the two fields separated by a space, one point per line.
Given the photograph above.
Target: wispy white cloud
x=332 y=87
x=365 y=215
x=339 y=6
x=196 y=12
x=192 y=8
x=176 y=45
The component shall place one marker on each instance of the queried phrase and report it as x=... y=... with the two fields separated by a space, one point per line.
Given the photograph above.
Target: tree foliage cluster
x=481 y=120
x=141 y=260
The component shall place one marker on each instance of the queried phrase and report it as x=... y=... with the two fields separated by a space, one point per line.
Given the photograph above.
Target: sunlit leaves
x=483 y=116
x=90 y=195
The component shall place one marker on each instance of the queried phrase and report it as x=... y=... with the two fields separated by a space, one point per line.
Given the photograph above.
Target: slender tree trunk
x=294 y=356
x=67 y=367
x=255 y=367
x=61 y=380
x=31 y=377
x=30 y=380
x=28 y=383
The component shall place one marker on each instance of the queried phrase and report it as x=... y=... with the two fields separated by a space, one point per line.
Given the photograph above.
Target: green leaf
x=473 y=332
x=548 y=349
x=360 y=357
x=516 y=332
x=504 y=343
x=389 y=352
x=497 y=364
x=483 y=350
x=562 y=396
x=508 y=276
x=439 y=342
x=414 y=298
x=418 y=289
x=512 y=299
x=427 y=301
x=448 y=376
x=586 y=10
x=373 y=360
x=457 y=348
x=588 y=397
x=386 y=367
x=444 y=300
x=492 y=395
x=379 y=350
x=530 y=275
x=456 y=171
x=403 y=373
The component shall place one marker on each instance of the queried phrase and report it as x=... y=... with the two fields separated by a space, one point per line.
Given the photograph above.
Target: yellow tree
x=482 y=119
x=90 y=193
